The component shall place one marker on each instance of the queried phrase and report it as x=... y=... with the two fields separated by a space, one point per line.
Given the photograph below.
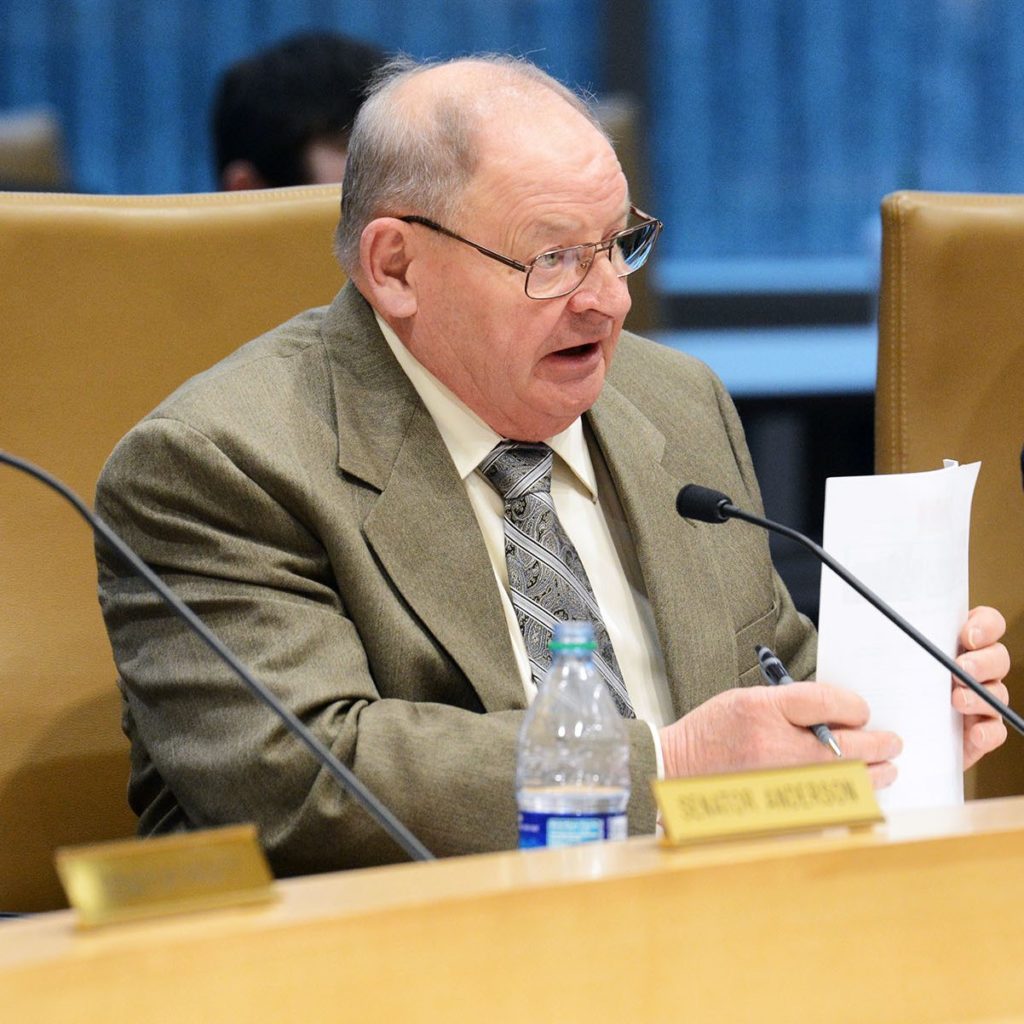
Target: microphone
x=344 y=775
x=703 y=504
x=709 y=506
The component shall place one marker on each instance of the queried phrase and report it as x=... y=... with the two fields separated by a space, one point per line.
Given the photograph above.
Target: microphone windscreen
x=702 y=504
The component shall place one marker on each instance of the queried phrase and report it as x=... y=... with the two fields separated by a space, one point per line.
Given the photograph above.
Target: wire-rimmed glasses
x=559 y=272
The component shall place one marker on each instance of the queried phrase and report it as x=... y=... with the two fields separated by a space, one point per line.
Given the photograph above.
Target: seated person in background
x=331 y=499
x=283 y=116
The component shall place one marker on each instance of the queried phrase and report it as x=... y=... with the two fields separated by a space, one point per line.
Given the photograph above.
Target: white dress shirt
x=626 y=611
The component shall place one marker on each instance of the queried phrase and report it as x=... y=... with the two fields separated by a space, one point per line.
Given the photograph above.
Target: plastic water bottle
x=572 y=778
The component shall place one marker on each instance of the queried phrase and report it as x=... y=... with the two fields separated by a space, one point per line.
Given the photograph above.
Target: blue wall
x=776 y=125
x=779 y=124
x=132 y=80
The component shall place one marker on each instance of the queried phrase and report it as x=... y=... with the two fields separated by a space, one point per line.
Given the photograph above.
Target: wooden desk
x=919 y=919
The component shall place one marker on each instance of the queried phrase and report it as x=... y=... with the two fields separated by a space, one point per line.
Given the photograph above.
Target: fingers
x=983 y=728
x=882 y=775
x=806 y=704
x=967 y=702
x=846 y=713
x=981 y=737
x=876 y=748
x=984 y=626
x=868 y=745
x=986 y=663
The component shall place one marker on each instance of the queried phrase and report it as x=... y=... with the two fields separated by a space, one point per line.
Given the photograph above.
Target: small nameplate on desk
x=703 y=808
x=131 y=879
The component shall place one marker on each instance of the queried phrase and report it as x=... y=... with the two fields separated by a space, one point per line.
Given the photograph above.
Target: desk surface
x=901 y=922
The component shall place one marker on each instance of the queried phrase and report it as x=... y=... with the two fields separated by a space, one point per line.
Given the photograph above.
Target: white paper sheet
x=906 y=537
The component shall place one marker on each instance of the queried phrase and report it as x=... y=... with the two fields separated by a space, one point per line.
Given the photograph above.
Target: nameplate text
x=704 y=808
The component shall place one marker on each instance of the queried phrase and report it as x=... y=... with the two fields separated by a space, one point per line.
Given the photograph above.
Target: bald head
x=482 y=86
x=420 y=136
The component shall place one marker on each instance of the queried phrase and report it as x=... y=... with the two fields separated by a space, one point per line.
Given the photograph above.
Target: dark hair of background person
x=271 y=107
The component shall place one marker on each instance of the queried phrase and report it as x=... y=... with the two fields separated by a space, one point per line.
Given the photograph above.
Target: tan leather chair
x=106 y=304
x=951 y=385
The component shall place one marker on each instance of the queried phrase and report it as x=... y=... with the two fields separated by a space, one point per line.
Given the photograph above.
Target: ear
x=239 y=175
x=386 y=251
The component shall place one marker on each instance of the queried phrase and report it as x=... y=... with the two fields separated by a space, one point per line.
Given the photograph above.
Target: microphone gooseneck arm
x=710 y=506
x=345 y=777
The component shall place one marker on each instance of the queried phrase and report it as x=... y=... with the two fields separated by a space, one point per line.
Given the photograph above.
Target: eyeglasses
x=560 y=272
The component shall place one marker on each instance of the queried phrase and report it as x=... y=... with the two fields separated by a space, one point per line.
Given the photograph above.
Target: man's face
x=527 y=367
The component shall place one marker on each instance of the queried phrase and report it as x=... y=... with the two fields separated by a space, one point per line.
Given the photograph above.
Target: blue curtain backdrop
x=132 y=80
x=775 y=126
x=780 y=124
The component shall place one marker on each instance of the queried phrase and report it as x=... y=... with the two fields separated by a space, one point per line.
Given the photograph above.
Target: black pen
x=774 y=673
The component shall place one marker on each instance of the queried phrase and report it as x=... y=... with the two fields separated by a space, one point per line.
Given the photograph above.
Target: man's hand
x=766 y=726
x=985 y=658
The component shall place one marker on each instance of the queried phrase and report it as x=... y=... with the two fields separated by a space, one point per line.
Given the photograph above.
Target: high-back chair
x=951 y=385
x=107 y=303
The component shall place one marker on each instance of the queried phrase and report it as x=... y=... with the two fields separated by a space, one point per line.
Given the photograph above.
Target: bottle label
x=537 y=828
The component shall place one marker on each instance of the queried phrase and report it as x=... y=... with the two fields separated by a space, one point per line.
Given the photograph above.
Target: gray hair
x=399 y=163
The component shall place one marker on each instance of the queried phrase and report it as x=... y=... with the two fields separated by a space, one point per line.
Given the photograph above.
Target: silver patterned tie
x=546 y=577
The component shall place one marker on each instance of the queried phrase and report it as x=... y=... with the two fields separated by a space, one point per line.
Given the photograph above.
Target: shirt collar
x=466 y=436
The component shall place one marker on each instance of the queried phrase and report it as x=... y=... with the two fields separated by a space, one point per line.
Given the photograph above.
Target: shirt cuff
x=659 y=757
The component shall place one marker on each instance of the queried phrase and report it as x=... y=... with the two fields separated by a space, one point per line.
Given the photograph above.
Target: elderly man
x=334 y=500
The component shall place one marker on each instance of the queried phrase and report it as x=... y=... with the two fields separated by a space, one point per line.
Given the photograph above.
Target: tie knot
x=515 y=468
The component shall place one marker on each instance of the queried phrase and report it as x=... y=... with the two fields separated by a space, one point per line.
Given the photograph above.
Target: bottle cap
x=578 y=636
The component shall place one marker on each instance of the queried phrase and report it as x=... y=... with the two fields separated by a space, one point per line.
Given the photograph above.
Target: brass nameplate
x=704 y=808
x=131 y=879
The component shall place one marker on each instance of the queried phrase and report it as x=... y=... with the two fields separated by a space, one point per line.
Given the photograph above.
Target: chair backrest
x=951 y=385
x=107 y=303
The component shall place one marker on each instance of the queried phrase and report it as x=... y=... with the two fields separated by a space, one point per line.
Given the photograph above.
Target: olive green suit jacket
x=299 y=497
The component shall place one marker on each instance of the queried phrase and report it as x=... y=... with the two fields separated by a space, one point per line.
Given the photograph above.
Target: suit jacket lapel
x=422 y=526
x=690 y=611
x=423 y=529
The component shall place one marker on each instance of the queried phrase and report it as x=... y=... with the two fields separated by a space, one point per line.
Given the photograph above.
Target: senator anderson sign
x=704 y=808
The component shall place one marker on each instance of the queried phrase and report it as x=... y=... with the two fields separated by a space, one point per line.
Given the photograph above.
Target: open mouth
x=578 y=351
